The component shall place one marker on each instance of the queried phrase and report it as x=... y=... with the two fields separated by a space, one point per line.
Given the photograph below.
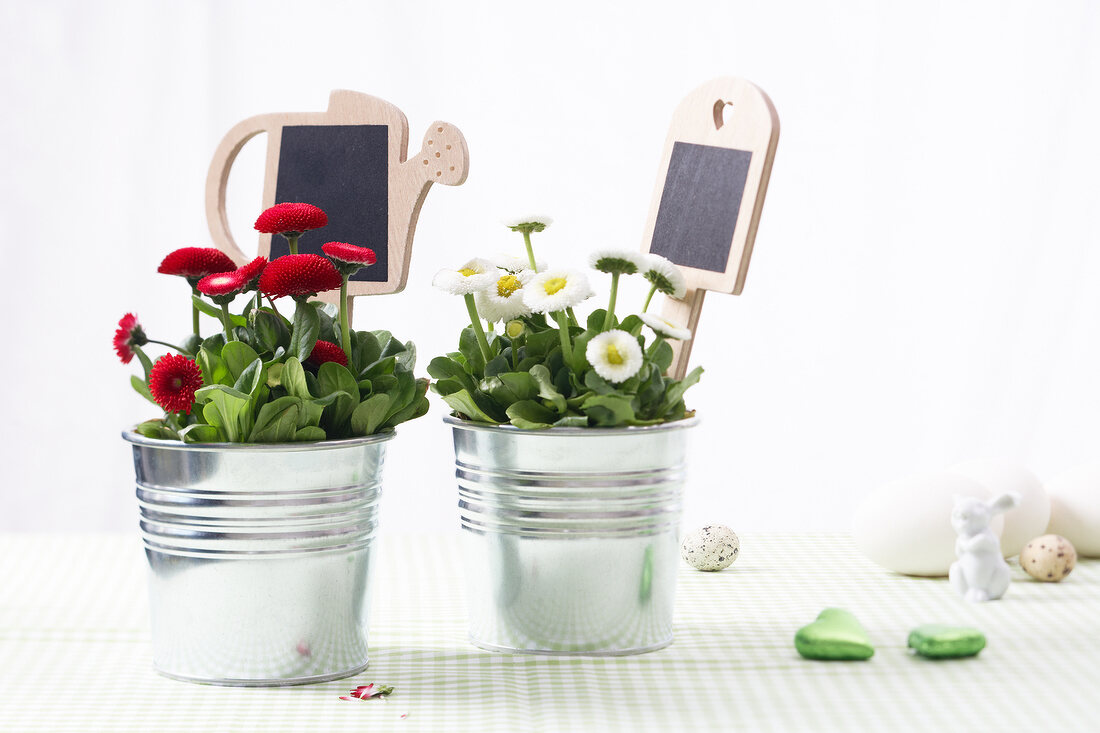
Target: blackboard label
x=344 y=169
x=699 y=205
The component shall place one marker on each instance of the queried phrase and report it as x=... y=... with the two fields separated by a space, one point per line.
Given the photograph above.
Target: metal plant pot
x=570 y=535
x=259 y=557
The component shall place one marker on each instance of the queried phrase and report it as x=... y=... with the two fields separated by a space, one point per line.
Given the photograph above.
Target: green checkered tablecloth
x=75 y=654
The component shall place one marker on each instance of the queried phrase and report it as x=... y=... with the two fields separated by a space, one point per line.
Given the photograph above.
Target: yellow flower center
x=508 y=285
x=554 y=284
x=467 y=272
x=613 y=355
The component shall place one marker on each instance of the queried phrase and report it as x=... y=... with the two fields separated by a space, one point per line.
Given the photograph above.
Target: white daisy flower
x=529 y=223
x=665 y=276
x=503 y=300
x=622 y=261
x=665 y=329
x=514 y=265
x=555 y=290
x=475 y=275
x=615 y=355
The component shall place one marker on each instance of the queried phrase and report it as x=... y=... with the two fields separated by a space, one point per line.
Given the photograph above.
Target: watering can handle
x=217 y=179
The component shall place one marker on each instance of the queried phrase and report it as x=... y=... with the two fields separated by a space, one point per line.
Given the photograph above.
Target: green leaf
x=237 y=355
x=595 y=320
x=250 y=379
x=418 y=406
x=547 y=392
x=146 y=362
x=271 y=330
x=608 y=410
x=335 y=378
x=191 y=343
x=580 y=345
x=510 y=387
x=383 y=337
x=676 y=391
x=379 y=368
x=310 y=433
x=277 y=421
x=370 y=414
x=468 y=345
x=142 y=388
x=214 y=370
x=663 y=356
x=632 y=325
x=531 y=415
x=227 y=409
x=303 y=334
x=407 y=357
x=199 y=433
x=496 y=366
x=155 y=429
x=463 y=404
x=365 y=351
x=444 y=367
x=402 y=395
x=572 y=421
x=293 y=379
x=597 y=384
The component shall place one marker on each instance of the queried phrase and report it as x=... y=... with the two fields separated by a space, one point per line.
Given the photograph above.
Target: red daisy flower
x=327 y=351
x=250 y=273
x=173 y=382
x=221 y=284
x=291 y=219
x=299 y=276
x=195 y=263
x=128 y=335
x=349 y=253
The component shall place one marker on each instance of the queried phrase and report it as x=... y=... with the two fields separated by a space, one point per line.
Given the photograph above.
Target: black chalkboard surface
x=699 y=205
x=344 y=169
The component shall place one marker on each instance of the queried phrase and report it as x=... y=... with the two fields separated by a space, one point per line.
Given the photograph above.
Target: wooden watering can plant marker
x=350 y=161
x=709 y=195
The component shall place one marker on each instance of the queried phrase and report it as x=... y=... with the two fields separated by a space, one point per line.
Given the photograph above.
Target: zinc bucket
x=259 y=557
x=570 y=535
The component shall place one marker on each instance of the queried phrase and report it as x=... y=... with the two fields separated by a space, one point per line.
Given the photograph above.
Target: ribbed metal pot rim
x=572 y=432
x=132 y=437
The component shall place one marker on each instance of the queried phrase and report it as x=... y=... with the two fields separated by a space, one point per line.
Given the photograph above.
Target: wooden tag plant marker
x=709 y=194
x=351 y=161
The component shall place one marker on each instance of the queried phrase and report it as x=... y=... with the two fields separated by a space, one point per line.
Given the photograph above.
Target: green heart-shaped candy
x=937 y=641
x=836 y=635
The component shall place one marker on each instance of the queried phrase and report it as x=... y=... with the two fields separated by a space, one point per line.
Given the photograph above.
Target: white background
x=923 y=289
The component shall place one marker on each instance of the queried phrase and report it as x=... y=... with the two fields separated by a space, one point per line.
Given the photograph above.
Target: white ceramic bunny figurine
x=981 y=573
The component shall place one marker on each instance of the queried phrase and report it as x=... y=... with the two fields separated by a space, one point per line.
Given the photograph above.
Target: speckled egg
x=713 y=547
x=1048 y=558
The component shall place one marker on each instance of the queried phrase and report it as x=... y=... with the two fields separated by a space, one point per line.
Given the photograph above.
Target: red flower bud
x=128 y=334
x=327 y=351
x=349 y=253
x=291 y=219
x=222 y=283
x=299 y=276
x=195 y=263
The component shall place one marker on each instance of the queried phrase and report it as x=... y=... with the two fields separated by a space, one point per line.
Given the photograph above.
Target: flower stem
x=271 y=302
x=563 y=334
x=345 y=327
x=652 y=350
x=648 y=298
x=194 y=313
x=609 y=317
x=170 y=346
x=479 y=331
x=293 y=242
x=572 y=317
x=530 y=251
x=225 y=322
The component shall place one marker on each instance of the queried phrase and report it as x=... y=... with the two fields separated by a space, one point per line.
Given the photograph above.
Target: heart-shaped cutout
x=835 y=635
x=722 y=111
x=937 y=641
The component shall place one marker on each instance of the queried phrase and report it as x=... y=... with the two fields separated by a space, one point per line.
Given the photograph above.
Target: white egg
x=1030 y=517
x=905 y=525
x=713 y=547
x=1075 y=508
